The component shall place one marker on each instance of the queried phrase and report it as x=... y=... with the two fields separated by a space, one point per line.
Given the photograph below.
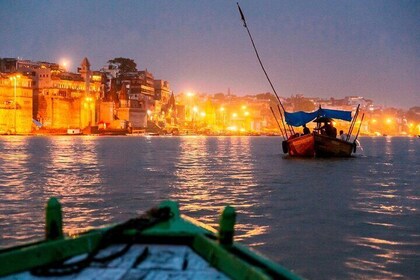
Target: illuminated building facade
x=44 y=97
x=132 y=102
x=66 y=100
x=15 y=104
x=47 y=96
x=147 y=89
x=164 y=108
x=134 y=97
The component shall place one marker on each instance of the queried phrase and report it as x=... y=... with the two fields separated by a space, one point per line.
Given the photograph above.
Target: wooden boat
x=161 y=244
x=308 y=145
x=318 y=143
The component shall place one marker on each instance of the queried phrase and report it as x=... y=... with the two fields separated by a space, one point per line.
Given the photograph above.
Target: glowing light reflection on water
x=214 y=172
x=385 y=204
x=340 y=218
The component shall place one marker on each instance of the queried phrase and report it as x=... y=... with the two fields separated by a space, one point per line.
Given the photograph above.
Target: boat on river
x=161 y=244
x=315 y=144
x=319 y=143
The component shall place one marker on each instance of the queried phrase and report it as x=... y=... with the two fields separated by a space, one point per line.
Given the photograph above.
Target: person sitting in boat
x=329 y=130
x=306 y=130
x=323 y=129
x=343 y=136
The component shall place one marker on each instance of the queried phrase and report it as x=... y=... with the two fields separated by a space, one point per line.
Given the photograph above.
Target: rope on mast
x=284 y=123
x=353 y=123
x=357 y=135
x=258 y=56
x=278 y=124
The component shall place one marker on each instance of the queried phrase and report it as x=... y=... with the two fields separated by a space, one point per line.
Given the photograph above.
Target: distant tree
x=413 y=114
x=124 y=64
x=301 y=103
x=415 y=109
x=265 y=96
x=219 y=95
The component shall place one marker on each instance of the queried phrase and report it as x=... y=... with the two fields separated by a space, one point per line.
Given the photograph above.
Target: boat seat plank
x=195 y=262
x=128 y=259
x=110 y=250
x=168 y=257
x=76 y=258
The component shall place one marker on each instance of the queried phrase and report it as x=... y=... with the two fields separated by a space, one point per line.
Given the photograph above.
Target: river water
x=352 y=218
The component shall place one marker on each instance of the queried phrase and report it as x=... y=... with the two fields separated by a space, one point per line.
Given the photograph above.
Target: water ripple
x=353 y=218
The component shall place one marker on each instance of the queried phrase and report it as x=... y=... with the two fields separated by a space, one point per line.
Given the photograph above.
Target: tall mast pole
x=258 y=56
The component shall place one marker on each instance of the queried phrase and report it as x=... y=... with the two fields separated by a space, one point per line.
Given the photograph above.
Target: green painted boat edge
x=235 y=260
x=27 y=257
x=226 y=258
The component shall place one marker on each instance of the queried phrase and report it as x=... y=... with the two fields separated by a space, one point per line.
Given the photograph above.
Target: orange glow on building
x=16 y=101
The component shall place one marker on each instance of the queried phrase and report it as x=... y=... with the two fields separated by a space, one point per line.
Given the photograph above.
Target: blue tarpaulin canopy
x=300 y=118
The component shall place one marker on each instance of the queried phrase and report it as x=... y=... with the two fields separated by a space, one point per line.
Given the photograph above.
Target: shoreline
x=183 y=135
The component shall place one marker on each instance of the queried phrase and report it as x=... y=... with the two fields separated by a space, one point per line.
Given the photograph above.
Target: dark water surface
x=353 y=218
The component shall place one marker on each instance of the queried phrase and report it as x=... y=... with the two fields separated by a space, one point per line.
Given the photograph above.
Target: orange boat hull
x=317 y=145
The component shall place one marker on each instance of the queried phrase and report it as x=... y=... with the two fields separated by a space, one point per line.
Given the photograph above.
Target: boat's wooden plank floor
x=148 y=262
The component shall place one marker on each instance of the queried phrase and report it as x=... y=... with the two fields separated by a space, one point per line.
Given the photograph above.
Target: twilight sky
x=324 y=48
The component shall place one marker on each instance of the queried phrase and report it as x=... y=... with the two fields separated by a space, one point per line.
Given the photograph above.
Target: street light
x=14 y=79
